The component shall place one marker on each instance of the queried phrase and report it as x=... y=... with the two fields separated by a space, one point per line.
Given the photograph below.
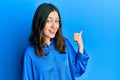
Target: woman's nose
x=53 y=24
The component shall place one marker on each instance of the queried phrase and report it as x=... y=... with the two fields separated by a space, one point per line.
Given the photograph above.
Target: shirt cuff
x=82 y=56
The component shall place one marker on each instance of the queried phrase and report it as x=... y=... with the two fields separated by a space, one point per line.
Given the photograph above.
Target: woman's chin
x=52 y=36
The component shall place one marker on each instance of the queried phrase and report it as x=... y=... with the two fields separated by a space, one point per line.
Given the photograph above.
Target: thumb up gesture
x=78 y=39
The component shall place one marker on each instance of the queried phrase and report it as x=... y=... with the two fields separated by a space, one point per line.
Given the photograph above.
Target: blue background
x=99 y=20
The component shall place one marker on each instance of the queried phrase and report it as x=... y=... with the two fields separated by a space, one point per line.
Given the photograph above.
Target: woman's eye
x=48 y=21
x=57 y=21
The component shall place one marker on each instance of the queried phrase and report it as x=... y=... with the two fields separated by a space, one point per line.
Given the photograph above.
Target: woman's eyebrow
x=52 y=18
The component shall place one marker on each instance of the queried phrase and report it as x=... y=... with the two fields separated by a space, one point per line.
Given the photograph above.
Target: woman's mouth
x=52 y=31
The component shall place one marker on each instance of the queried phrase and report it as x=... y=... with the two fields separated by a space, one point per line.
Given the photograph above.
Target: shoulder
x=29 y=51
x=67 y=41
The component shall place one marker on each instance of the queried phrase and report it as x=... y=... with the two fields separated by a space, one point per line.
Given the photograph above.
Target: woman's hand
x=78 y=39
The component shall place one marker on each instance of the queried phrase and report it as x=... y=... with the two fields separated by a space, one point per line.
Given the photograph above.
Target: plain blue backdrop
x=99 y=20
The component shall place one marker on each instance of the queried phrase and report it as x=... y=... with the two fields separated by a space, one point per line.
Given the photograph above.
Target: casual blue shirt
x=54 y=66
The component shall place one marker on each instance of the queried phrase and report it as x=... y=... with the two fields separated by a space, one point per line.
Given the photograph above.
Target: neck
x=47 y=41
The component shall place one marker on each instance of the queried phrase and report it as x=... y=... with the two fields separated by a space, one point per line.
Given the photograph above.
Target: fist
x=78 y=39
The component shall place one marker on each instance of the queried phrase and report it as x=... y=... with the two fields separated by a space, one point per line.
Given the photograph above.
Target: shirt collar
x=47 y=48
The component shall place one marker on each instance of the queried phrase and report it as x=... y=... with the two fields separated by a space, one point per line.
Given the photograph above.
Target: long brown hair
x=38 y=24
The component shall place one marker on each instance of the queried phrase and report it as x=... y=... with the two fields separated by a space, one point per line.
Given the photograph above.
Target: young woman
x=51 y=56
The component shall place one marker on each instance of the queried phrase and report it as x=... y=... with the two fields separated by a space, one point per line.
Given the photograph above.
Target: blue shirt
x=54 y=66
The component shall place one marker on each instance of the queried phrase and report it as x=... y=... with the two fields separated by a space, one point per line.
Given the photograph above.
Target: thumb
x=81 y=33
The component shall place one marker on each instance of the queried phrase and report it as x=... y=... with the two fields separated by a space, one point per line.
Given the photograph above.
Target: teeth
x=52 y=31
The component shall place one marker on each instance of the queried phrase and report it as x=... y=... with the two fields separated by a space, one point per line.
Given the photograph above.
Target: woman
x=51 y=56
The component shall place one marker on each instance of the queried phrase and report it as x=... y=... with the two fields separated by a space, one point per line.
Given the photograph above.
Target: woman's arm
x=27 y=67
x=77 y=60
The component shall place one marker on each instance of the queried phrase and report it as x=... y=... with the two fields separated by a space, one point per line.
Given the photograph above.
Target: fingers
x=77 y=36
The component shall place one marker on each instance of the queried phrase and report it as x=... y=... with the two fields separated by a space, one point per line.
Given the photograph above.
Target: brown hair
x=38 y=24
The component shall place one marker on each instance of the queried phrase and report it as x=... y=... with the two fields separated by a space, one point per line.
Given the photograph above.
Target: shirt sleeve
x=77 y=61
x=27 y=68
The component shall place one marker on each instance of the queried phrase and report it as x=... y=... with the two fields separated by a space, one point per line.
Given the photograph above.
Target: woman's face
x=51 y=26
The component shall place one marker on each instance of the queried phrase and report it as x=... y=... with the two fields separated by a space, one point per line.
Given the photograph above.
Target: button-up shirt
x=54 y=66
